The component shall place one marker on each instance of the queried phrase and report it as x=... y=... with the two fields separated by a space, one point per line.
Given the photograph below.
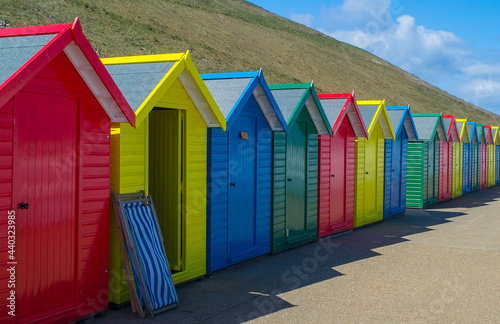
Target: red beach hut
x=336 y=163
x=57 y=103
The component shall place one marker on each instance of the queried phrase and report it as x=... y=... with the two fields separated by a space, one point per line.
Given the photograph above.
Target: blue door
x=242 y=188
x=466 y=171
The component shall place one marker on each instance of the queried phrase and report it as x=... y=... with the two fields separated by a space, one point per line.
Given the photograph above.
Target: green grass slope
x=234 y=35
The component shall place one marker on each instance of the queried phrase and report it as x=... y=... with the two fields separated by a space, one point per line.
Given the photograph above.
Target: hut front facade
x=496 y=139
x=295 y=165
x=449 y=157
x=490 y=141
x=336 y=163
x=165 y=155
x=464 y=159
x=57 y=104
x=240 y=168
x=396 y=155
x=423 y=161
x=370 y=156
x=483 y=156
x=474 y=155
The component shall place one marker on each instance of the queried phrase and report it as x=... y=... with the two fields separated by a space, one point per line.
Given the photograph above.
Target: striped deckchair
x=141 y=238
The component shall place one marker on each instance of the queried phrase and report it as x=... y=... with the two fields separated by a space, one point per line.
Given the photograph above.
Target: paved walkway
x=434 y=265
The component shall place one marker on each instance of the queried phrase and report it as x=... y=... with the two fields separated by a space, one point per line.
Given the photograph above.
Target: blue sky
x=454 y=45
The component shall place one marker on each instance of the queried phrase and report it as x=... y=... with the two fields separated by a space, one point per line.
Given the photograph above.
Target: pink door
x=45 y=178
x=338 y=178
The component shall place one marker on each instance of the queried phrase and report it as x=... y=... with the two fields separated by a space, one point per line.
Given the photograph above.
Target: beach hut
x=464 y=159
x=483 y=156
x=295 y=165
x=490 y=141
x=449 y=157
x=336 y=163
x=165 y=155
x=396 y=154
x=57 y=103
x=474 y=155
x=496 y=139
x=369 y=181
x=239 y=168
x=423 y=161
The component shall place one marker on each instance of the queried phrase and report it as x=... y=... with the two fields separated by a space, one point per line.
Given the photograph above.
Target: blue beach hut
x=239 y=168
x=396 y=153
x=474 y=155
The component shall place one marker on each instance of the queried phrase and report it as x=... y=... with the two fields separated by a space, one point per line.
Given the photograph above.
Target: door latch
x=233 y=184
x=332 y=175
x=289 y=179
x=22 y=206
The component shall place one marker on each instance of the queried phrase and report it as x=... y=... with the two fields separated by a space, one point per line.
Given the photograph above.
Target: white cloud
x=438 y=57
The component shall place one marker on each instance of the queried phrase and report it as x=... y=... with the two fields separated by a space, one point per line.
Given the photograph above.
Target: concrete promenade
x=440 y=264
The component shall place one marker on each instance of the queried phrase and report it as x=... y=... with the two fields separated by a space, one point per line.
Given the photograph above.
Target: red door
x=45 y=169
x=444 y=167
x=338 y=178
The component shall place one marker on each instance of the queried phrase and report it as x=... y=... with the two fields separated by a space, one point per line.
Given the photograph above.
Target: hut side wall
x=466 y=169
x=497 y=164
x=416 y=174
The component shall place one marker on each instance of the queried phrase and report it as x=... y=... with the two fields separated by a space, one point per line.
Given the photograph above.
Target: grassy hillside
x=234 y=35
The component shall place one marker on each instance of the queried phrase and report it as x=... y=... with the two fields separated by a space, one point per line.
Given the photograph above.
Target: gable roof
x=463 y=130
x=496 y=135
x=373 y=111
x=474 y=138
x=339 y=105
x=145 y=79
x=401 y=118
x=489 y=135
x=481 y=135
x=450 y=126
x=25 y=51
x=428 y=125
x=231 y=92
x=292 y=98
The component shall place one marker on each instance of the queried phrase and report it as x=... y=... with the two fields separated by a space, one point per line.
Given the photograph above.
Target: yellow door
x=165 y=178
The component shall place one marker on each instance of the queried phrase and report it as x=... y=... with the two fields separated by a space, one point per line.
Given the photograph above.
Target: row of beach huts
x=237 y=168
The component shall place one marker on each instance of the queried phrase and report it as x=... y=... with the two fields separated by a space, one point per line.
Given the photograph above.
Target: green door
x=165 y=178
x=296 y=148
x=430 y=173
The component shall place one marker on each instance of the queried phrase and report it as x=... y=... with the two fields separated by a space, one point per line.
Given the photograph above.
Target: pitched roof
x=496 y=136
x=428 y=125
x=489 y=135
x=26 y=51
x=231 y=91
x=401 y=118
x=450 y=126
x=292 y=98
x=464 y=130
x=481 y=134
x=373 y=112
x=337 y=106
x=145 y=79
x=474 y=138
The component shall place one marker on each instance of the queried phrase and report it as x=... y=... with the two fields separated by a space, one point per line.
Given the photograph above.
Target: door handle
x=233 y=184
x=333 y=175
x=289 y=179
x=22 y=206
x=366 y=172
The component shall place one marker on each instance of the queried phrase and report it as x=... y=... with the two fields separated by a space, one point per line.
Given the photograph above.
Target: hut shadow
x=474 y=199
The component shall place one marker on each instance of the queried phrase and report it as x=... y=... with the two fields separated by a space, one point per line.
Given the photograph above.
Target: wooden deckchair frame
x=126 y=243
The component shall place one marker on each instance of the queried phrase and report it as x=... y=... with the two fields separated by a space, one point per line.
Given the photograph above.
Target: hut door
x=45 y=166
x=242 y=187
x=466 y=166
x=444 y=152
x=370 y=187
x=166 y=133
x=396 y=179
x=338 y=177
x=296 y=148
x=474 y=166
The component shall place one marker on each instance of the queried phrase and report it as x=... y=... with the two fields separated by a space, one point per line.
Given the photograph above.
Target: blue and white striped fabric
x=156 y=270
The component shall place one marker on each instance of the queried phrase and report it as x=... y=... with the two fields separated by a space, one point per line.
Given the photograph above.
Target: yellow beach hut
x=490 y=140
x=369 y=165
x=165 y=155
x=462 y=158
